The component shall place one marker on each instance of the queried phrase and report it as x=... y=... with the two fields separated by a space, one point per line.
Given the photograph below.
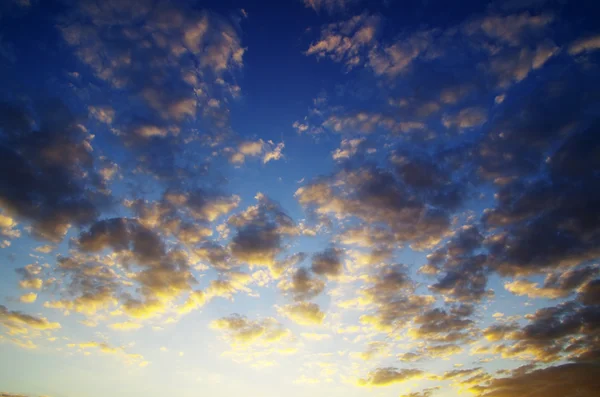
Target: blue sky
x=335 y=197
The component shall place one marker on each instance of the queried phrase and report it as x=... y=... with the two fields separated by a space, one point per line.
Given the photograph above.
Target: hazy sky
x=299 y=197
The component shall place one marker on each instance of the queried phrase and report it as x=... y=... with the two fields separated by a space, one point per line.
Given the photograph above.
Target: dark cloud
x=216 y=255
x=376 y=196
x=566 y=331
x=303 y=285
x=524 y=131
x=556 y=285
x=564 y=380
x=48 y=175
x=161 y=273
x=18 y=322
x=328 y=263
x=590 y=293
x=259 y=233
x=566 y=233
x=440 y=325
x=88 y=285
x=391 y=293
x=463 y=272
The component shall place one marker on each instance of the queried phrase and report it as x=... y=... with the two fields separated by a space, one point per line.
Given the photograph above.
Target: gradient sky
x=299 y=197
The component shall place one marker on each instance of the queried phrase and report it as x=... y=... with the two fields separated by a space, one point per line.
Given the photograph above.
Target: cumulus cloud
x=413 y=213
x=389 y=376
x=162 y=274
x=106 y=348
x=440 y=325
x=304 y=313
x=267 y=150
x=302 y=285
x=259 y=233
x=463 y=273
x=347 y=41
x=242 y=331
x=328 y=263
x=555 y=285
x=55 y=185
x=466 y=118
x=566 y=331
x=389 y=299
x=17 y=322
x=176 y=62
x=562 y=380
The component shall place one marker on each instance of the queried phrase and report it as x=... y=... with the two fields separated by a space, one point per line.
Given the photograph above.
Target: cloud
x=374 y=349
x=304 y=313
x=431 y=352
x=348 y=148
x=54 y=187
x=275 y=153
x=466 y=118
x=515 y=65
x=177 y=63
x=555 y=286
x=394 y=59
x=226 y=287
x=30 y=275
x=369 y=122
x=91 y=285
x=566 y=331
x=585 y=44
x=521 y=237
x=160 y=273
x=347 y=41
x=463 y=274
x=240 y=330
x=259 y=233
x=590 y=293
x=388 y=376
x=268 y=150
x=512 y=29
x=563 y=380
x=195 y=300
x=18 y=322
x=376 y=195
x=125 y=326
x=45 y=249
x=8 y=227
x=302 y=285
x=29 y=297
x=430 y=391
x=440 y=325
x=104 y=114
x=390 y=294
x=328 y=263
x=105 y=348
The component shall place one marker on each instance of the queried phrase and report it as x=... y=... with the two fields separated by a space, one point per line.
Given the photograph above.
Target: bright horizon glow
x=304 y=197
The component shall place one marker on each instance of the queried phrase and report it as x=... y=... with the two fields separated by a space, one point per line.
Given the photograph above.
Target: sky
x=302 y=197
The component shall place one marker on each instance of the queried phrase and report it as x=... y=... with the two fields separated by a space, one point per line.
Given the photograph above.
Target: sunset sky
x=337 y=198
